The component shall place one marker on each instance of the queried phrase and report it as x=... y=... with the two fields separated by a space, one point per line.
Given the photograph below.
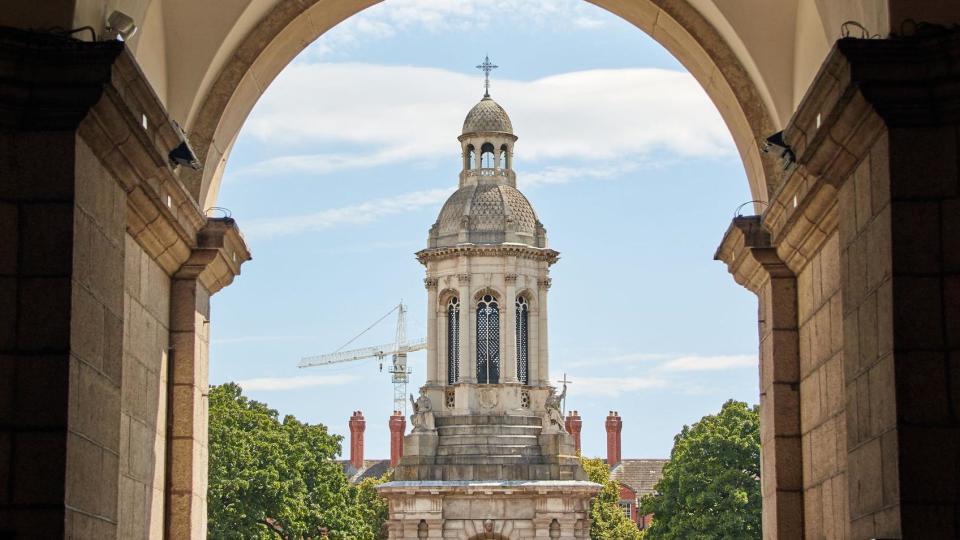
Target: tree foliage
x=711 y=486
x=608 y=520
x=270 y=478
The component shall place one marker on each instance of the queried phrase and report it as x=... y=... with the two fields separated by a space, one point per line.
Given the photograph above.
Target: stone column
x=398 y=425
x=433 y=367
x=754 y=264
x=543 y=360
x=468 y=361
x=211 y=266
x=510 y=330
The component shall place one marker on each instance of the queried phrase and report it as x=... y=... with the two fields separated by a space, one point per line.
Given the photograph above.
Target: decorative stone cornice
x=217 y=258
x=478 y=250
x=50 y=82
x=748 y=254
x=864 y=86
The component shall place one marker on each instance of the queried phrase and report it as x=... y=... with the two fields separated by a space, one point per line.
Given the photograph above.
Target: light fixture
x=120 y=26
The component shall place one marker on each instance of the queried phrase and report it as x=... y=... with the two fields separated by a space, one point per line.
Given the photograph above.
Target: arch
x=469 y=158
x=487 y=158
x=488 y=315
x=485 y=290
x=522 y=319
x=452 y=327
x=710 y=49
x=503 y=158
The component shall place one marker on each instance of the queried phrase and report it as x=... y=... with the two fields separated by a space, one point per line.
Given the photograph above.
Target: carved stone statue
x=422 y=417
x=554 y=416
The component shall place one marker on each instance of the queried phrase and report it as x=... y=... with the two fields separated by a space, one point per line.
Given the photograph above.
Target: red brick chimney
x=614 y=425
x=573 y=423
x=357 y=427
x=398 y=424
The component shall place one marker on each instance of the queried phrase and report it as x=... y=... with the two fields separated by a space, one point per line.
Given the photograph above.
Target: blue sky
x=345 y=162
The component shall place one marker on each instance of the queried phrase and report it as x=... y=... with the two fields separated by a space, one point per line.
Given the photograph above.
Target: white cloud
x=711 y=363
x=387 y=19
x=613 y=386
x=402 y=114
x=361 y=213
x=294 y=383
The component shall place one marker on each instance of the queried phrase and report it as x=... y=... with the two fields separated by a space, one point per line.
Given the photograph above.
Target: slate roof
x=372 y=468
x=640 y=475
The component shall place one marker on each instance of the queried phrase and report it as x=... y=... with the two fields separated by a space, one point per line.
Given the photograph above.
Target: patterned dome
x=487 y=213
x=487 y=115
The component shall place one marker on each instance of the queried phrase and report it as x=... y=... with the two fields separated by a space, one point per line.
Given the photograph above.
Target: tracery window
x=488 y=340
x=523 y=340
x=453 y=340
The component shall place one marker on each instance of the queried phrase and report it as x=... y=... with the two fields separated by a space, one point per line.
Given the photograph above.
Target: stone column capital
x=749 y=255
x=216 y=260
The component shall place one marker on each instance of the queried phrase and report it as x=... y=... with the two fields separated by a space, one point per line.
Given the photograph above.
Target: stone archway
x=288 y=28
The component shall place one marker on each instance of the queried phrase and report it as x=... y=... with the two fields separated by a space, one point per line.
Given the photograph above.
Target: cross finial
x=565 y=383
x=486 y=67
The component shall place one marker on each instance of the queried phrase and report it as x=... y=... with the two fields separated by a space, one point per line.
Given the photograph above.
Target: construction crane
x=398 y=350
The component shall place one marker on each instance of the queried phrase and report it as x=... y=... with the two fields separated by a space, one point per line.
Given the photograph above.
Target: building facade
x=488 y=456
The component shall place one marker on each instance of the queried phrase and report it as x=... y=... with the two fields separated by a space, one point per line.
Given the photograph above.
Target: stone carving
x=488 y=398
x=545 y=283
x=554 y=416
x=430 y=282
x=422 y=417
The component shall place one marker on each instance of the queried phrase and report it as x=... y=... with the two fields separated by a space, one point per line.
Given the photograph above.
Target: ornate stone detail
x=510 y=278
x=519 y=251
x=487 y=116
x=554 y=416
x=488 y=398
x=525 y=399
x=430 y=282
x=463 y=278
x=544 y=283
x=422 y=417
x=450 y=398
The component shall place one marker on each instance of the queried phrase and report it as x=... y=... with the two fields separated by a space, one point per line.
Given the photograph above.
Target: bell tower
x=487 y=423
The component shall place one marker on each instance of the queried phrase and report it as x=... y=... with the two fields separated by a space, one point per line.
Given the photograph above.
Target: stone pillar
x=468 y=361
x=357 y=426
x=543 y=360
x=614 y=426
x=754 y=264
x=436 y=375
x=87 y=194
x=398 y=425
x=573 y=424
x=211 y=265
x=509 y=374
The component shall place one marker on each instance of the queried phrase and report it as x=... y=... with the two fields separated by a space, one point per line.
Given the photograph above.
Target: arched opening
x=504 y=160
x=488 y=340
x=523 y=339
x=470 y=158
x=487 y=159
x=453 y=340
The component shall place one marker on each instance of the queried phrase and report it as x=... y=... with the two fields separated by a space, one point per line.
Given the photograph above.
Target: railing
x=486 y=172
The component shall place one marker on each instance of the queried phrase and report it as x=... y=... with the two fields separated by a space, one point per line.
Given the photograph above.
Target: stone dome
x=487 y=213
x=487 y=115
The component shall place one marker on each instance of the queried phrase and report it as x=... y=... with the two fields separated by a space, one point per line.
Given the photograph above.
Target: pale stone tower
x=488 y=456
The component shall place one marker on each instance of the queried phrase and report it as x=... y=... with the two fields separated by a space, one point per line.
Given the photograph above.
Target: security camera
x=120 y=26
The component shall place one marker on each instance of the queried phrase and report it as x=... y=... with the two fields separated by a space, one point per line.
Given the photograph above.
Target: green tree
x=710 y=488
x=270 y=478
x=608 y=520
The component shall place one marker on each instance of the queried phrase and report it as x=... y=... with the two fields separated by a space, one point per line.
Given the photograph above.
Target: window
x=627 y=507
x=453 y=340
x=523 y=355
x=488 y=340
x=486 y=156
x=470 y=158
x=503 y=157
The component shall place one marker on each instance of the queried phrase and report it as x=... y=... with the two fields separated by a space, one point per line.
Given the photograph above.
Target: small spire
x=486 y=67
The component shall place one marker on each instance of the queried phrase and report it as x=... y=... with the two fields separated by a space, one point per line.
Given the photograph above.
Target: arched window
x=488 y=340
x=453 y=340
x=523 y=339
x=470 y=158
x=486 y=156
x=503 y=157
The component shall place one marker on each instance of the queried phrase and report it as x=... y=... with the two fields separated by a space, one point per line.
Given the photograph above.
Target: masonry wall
x=146 y=305
x=822 y=418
